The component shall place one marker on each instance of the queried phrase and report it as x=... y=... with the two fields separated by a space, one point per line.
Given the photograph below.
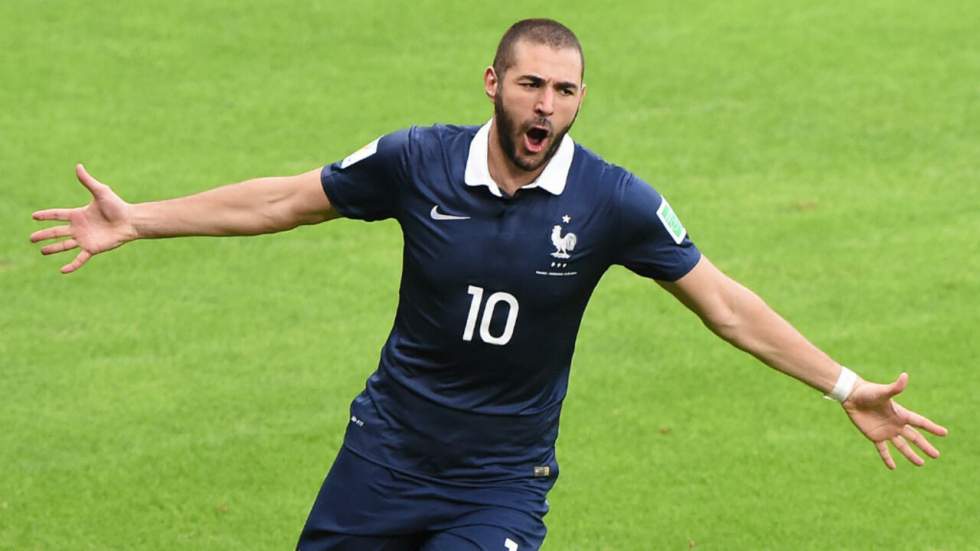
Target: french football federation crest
x=563 y=243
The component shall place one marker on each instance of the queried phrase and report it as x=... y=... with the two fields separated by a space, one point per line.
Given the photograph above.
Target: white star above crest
x=566 y=219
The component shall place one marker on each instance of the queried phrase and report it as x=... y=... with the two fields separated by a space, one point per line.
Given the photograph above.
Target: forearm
x=754 y=327
x=742 y=318
x=252 y=207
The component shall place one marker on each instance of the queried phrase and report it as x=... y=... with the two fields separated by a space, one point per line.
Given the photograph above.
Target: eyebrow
x=538 y=80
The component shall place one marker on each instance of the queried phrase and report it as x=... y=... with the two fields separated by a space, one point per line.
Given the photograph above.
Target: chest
x=538 y=245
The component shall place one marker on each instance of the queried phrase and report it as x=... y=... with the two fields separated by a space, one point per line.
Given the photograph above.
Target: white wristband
x=845 y=384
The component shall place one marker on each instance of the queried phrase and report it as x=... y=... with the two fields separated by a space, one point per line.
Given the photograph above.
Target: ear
x=584 y=90
x=490 y=83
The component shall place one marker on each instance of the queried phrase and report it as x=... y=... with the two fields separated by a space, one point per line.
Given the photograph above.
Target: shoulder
x=421 y=142
x=439 y=138
x=445 y=131
x=437 y=149
x=437 y=134
x=603 y=176
x=428 y=136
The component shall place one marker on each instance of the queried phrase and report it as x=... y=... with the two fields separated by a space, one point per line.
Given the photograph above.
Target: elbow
x=725 y=325
x=282 y=214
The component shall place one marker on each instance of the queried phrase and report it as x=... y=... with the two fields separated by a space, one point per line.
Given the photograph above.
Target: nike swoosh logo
x=436 y=215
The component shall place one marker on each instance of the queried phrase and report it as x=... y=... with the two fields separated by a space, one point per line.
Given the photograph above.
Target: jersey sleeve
x=654 y=243
x=367 y=184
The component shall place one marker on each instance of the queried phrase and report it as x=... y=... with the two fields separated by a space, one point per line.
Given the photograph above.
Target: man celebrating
x=507 y=230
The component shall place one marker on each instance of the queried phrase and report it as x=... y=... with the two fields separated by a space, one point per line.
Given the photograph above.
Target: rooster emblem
x=563 y=243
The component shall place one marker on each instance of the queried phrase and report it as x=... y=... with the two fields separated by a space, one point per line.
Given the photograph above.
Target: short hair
x=537 y=31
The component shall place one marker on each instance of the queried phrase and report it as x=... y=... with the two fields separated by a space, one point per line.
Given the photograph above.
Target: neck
x=508 y=176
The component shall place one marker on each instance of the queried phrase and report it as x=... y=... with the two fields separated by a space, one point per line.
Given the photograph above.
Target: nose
x=545 y=105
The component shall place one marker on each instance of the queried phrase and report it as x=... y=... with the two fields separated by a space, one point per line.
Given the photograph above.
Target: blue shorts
x=364 y=506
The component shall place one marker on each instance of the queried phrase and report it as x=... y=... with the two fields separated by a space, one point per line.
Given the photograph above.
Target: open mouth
x=536 y=138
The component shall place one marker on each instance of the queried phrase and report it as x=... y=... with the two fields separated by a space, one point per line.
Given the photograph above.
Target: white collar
x=551 y=179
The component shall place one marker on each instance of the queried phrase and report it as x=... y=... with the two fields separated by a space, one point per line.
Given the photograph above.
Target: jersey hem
x=453 y=482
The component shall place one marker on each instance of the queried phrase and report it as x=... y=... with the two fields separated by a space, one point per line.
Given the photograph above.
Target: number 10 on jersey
x=491 y=304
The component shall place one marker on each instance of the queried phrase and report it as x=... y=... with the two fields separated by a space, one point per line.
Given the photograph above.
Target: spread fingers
x=885 y=455
x=50 y=233
x=60 y=246
x=920 y=441
x=907 y=451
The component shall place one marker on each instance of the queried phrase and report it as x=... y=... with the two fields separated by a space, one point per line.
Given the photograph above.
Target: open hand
x=102 y=225
x=882 y=420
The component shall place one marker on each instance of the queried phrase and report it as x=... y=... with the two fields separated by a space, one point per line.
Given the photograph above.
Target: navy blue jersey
x=472 y=377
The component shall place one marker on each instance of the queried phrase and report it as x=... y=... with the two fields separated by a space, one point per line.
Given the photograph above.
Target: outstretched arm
x=263 y=205
x=739 y=316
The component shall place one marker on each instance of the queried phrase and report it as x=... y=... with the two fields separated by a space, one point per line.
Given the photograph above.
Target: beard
x=507 y=132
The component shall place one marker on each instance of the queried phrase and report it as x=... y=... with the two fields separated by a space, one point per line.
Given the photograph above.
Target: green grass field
x=191 y=394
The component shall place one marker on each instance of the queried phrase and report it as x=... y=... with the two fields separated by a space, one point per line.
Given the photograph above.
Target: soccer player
x=508 y=228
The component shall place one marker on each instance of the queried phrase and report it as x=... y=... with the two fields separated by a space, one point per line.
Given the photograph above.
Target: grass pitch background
x=191 y=393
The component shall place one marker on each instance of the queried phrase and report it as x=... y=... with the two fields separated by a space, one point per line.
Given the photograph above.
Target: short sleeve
x=366 y=185
x=654 y=243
